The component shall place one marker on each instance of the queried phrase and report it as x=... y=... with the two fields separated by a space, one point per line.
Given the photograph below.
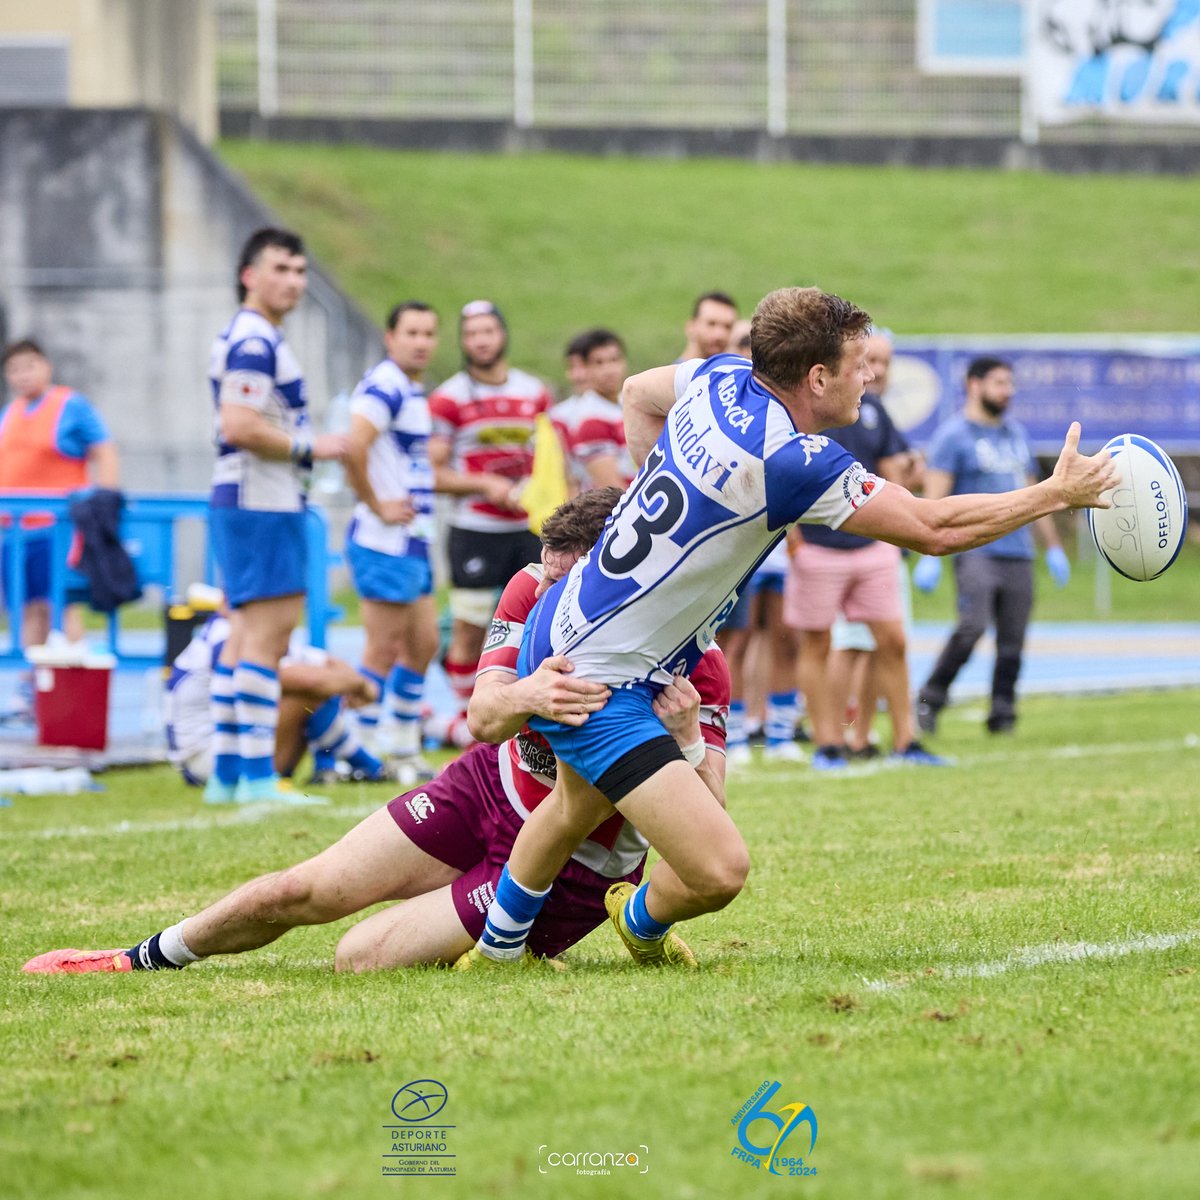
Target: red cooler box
x=71 y=698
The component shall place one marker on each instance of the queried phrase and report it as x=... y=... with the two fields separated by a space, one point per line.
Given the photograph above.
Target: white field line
x=1037 y=956
x=771 y=771
x=241 y=816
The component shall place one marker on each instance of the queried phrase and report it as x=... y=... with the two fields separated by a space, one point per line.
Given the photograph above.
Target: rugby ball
x=1141 y=534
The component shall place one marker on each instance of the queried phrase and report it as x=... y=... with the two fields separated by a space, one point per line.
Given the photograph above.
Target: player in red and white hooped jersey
x=482 y=455
x=441 y=847
x=591 y=423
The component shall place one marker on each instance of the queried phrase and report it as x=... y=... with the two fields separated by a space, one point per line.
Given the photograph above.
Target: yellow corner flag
x=547 y=486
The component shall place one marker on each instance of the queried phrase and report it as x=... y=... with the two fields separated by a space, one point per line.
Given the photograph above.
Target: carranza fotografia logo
x=762 y=1131
x=593 y=1162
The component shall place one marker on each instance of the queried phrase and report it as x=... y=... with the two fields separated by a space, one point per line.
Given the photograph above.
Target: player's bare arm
x=955 y=523
x=501 y=703
x=496 y=489
x=647 y=398
x=104 y=465
x=362 y=435
x=248 y=429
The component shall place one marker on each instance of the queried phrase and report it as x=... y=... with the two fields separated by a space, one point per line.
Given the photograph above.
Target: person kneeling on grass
x=313 y=686
x=440 y=848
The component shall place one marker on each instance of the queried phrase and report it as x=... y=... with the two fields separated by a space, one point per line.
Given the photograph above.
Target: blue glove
x=1059 y=566
x=926 y=573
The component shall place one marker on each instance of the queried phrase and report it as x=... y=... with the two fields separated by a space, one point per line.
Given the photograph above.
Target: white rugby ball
x=1140 y=536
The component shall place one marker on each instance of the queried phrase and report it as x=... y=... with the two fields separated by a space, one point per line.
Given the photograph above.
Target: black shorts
x=489 y=560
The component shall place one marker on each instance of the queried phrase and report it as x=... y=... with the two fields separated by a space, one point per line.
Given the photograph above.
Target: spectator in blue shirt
x=985 y=450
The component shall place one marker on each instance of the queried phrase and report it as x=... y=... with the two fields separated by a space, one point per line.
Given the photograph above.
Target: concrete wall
x=154 y=53
x=484 y=136
x=119 y=236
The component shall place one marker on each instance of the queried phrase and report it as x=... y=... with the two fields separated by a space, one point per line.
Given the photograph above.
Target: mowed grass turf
x=563 y=242
x=906 y=959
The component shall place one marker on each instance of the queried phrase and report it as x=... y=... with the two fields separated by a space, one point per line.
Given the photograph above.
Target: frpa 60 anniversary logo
x=762 y=1131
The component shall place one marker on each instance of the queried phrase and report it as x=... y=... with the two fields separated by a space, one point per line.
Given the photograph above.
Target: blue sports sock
x=257 y=705
x=640 y=923
x=510 y=917
x=735 y=724
x=227 y=762
x=782 y=712
x=367 y=716
x=404 y=690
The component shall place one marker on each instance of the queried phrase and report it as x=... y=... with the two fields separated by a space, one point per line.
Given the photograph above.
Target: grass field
x=906 y=959
x=563 y=242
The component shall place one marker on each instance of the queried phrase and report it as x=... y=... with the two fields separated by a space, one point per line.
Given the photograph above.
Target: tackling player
x=442 y=846
x=732 y=455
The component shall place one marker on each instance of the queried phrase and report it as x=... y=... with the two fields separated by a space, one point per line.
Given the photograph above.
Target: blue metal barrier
x=148 y=533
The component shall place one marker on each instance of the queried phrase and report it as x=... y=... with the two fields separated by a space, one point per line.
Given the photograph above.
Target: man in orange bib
x=51 y=439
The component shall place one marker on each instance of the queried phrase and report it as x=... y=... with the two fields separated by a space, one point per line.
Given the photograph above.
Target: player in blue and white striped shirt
x=732 y=455
x=389 y=539
x=256 y=519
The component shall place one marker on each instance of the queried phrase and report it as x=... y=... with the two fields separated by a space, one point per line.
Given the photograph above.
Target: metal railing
x=150 y=533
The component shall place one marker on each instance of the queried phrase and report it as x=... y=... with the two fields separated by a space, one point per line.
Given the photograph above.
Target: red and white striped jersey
x=490 y=427
x=592 y=427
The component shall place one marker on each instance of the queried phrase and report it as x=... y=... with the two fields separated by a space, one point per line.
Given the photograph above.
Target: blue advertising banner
x=1108 y=391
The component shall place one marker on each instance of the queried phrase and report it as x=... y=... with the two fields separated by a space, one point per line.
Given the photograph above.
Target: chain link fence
x=784 y=66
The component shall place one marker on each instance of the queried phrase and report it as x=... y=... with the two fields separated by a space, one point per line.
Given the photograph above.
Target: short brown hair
x=24 y=346
x=793 y=329
x=576 y=526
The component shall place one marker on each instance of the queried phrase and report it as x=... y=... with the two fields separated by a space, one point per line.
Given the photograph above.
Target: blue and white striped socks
x=227 y=763
x=330 y=737
x=510 y=917
x=404 y=690
x=367 y=715
x=782 y=711
x=638 y=920
x=257 y=706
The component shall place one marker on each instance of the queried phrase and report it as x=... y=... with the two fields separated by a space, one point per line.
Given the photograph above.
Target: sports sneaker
x=801 y=735
x=738 y=756
x=407 y=770
x=327 y=777
x=216 y=792
x=476 y=960
x=829 y=758
x=78 y=962
x=273 y=790
x=927 y=716
x=669 y=951
x=865 y=753
x=999 y=723
x=784 y=752
x=916 y=755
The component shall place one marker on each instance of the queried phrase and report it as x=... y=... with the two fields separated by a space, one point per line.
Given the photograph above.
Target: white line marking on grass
x=766 y=770
x=242 y=816
x=1037 y=956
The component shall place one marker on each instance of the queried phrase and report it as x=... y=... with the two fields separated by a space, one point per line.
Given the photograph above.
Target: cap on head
x=481 y=308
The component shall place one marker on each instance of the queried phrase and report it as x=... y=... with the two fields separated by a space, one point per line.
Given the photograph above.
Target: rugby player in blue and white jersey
x=389 y=539
x=732 y=455
x=265 y=448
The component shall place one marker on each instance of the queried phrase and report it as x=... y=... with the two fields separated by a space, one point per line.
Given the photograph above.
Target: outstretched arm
x=954 y=523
